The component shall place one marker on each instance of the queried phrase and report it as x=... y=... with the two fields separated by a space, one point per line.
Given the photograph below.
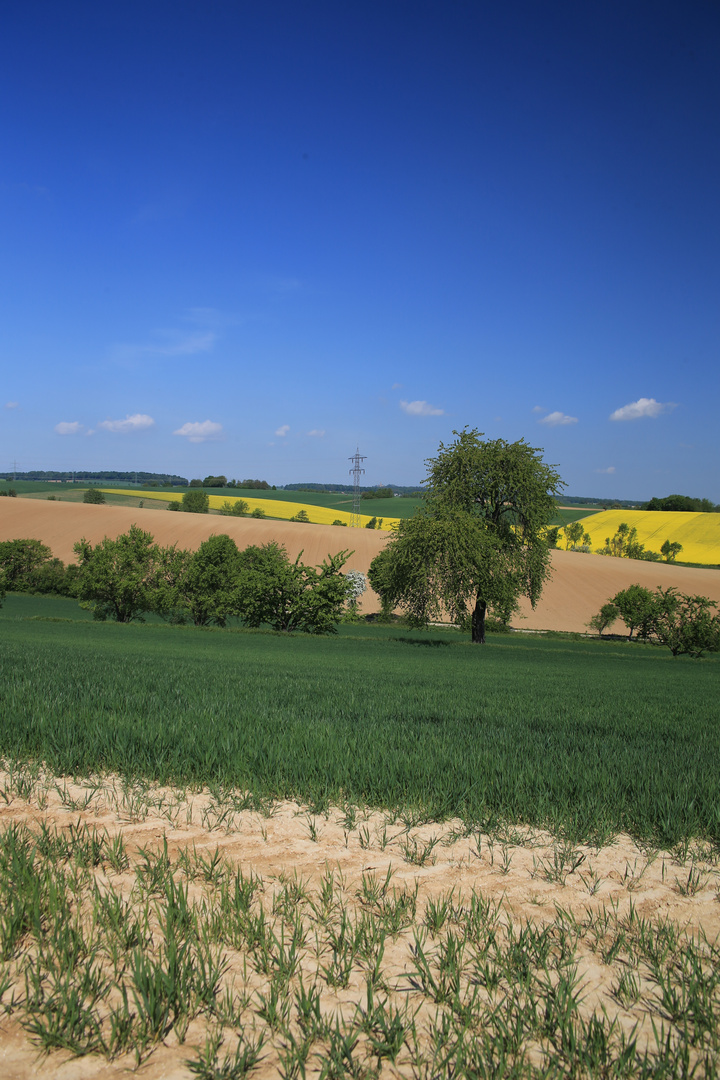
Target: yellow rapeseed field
x=319 y=515
x=699 y=534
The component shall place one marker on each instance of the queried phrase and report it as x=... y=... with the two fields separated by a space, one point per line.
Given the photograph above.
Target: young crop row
x=276 y=508
x=112 y=948
x=699 y=534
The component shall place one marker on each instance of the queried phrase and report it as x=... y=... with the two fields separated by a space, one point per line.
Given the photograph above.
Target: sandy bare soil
x=314 y=867
x=580 y=584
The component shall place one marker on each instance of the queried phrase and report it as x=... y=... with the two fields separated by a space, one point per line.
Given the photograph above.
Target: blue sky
x=247 y=238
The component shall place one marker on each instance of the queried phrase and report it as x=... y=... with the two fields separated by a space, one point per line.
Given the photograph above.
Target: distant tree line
x=223 y=482
x=126 y=578
x=683 y=503
x=77 y=476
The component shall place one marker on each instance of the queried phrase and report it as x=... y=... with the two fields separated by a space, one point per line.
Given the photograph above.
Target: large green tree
x=19 y=560
x=199 y=584
x=121 y=578
x=479 y=542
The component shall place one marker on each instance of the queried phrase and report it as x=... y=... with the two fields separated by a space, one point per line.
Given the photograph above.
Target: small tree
x=686 y=624
x=606 y=616
x=195 y=502
x=258 y=512
x=120 y=578
x=573 y=533
x=94 y=495
x=19 y=559
x=237 y=508
x=302 y=515
x=356 y=586
x=670 y=549
x=637 y=608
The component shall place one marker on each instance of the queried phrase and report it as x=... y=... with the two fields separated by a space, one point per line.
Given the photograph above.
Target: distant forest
x=78 y=477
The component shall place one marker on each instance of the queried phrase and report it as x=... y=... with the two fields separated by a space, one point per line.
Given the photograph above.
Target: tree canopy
x=120 y=577
x=195 y=502
x=272 y=590
x=480 y=540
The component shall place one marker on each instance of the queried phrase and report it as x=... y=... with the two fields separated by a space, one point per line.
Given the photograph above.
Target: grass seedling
x=207 y=1065
x=419 y=854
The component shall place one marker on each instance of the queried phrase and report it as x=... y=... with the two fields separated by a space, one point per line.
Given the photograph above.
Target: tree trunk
x=478 y=622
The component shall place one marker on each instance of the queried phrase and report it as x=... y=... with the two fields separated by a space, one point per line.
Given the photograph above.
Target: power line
x=356 y=471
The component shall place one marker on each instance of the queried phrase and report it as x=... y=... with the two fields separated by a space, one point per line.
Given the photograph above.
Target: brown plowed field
x=579 y=586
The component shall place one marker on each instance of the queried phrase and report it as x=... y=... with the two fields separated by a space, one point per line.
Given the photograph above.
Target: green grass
x=585 y=737
x=565 y=514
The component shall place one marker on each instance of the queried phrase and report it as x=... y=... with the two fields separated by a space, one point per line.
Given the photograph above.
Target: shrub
x=94 y=495
x=195 y=502
x=302 y=515
x=684 y=624
x=288 y=595
x=238 y=508
x=258 y=512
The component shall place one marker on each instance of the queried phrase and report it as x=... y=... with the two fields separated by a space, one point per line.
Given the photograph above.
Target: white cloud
x=199 y=431
x=554 y=419
x=396 y=386
x=420 y=408
x=282 y=431
x=68 y=427
x=538 y=408
x=11 y=404
x=136 y=422
x=317 y=432
x=608 y=472
x=642 y=407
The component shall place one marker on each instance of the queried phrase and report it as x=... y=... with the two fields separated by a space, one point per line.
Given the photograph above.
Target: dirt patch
x=398 y=937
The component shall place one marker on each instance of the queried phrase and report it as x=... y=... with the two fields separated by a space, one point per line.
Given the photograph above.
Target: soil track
x=579 y=586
